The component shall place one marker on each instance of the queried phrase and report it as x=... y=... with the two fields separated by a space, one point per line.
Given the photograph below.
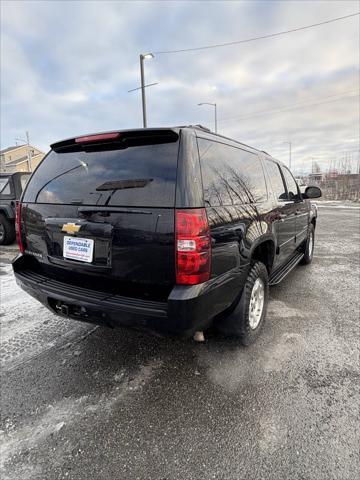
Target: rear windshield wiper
x=123 y=184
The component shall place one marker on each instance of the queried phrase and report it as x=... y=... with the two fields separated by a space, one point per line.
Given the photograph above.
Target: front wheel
x=309 y=246
x=247 y=320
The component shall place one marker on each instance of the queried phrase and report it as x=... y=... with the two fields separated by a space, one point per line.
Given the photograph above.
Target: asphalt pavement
x=82 y=402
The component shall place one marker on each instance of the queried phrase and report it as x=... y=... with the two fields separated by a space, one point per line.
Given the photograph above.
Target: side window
x=231 y=175
x=276 y=180
x=5 y=186
x=291 y=184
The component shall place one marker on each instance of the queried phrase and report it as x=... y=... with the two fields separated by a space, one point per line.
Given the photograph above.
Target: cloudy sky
x=66 y=68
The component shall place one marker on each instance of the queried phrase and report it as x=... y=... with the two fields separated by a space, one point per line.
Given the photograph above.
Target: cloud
x=67 y=67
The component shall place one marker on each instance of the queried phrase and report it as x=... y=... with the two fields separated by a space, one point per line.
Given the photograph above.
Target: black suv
x=169 y=230
x=11 y=188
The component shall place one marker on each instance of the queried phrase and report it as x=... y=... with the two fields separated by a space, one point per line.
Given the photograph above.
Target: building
x=315 y=178
x=20 y=158
x=342 y=186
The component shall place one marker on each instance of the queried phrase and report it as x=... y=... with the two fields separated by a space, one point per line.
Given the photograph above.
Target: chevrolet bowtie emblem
x=70 y=228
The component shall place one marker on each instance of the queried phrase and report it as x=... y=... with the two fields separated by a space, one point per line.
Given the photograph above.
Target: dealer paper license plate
x=81 y=249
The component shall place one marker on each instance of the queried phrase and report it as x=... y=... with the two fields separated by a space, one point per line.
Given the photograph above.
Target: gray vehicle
x=11 y=188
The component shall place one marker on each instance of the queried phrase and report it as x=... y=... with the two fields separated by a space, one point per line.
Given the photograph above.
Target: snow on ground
x=336 y=204
x=27 y=328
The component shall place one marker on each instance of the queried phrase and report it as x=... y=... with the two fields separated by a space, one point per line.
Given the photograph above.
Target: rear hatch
x=99 y=212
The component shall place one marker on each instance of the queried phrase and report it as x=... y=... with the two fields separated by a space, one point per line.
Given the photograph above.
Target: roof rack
x=201 y=127
x=205 y=129
x=198 y=127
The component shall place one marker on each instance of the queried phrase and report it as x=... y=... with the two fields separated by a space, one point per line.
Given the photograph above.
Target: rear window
x=231 y=175
x=136 y=176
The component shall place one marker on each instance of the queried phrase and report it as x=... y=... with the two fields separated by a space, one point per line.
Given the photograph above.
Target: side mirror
x=312 y=192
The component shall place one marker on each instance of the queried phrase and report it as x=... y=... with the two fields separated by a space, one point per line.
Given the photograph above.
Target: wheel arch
x=7 y=211
x=264 y=251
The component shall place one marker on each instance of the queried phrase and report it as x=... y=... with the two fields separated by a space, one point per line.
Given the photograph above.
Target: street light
x=289 y=143
x=213 y=105
x=142 y=78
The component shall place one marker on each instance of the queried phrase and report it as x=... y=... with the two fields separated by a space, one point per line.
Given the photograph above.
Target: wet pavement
x=81 y=402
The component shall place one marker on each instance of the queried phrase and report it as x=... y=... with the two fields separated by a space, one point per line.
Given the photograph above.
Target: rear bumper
x=188 y=308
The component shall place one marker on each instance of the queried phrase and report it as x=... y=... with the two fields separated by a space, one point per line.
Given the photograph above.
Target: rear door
x=104 y=210
x=285 y=213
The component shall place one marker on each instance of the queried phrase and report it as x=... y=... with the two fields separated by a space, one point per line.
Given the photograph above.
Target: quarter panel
x=235 y=231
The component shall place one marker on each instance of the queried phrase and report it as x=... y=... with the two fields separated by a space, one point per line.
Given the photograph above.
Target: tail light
x=193 y=247
x=18 y=227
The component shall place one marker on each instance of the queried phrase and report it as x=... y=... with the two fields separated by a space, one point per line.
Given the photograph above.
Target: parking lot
x=81 y=402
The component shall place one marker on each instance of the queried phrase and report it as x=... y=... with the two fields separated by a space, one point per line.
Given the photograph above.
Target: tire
x=309 y=246
x=7 y=230
x=244 y=322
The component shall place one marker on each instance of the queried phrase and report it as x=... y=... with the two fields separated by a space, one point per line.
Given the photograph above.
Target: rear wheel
x=309 y=246
x=7 y=230
x=247 y=319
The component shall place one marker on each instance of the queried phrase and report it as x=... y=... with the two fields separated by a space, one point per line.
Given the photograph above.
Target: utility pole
x=142 y=83
x=290 y=155
x=215 y=107
x=28 y=151
x=215 y=118
x=143 y=86
x=27 y=143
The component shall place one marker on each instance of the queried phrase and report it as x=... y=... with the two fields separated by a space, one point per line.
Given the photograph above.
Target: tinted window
x=135 y=176
x=276 y=180
x=4 y=186
x=231 y=176
x=291 y=184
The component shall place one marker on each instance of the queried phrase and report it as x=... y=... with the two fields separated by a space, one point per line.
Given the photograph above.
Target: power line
x=294 y=107
x=271 y=35
x=342 y=94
